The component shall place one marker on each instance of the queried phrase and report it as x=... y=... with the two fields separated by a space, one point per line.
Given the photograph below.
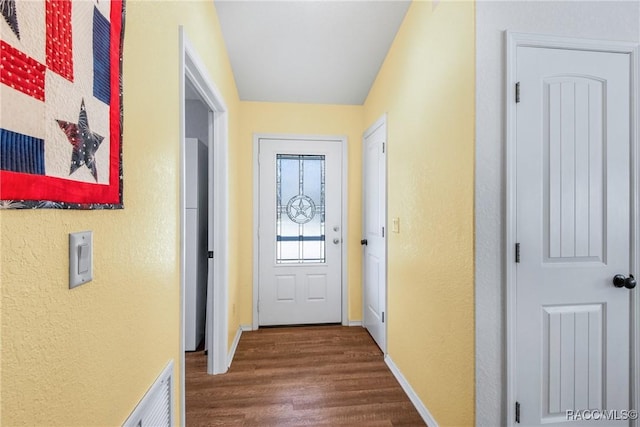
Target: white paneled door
x=300 y=232
x=573 y=329
x=374 y=243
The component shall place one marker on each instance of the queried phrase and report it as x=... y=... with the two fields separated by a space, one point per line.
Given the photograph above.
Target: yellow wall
x=86 y=356
x=301 y=119
x=427 y=87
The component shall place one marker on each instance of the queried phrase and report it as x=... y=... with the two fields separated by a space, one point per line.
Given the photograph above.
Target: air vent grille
x=155 y=408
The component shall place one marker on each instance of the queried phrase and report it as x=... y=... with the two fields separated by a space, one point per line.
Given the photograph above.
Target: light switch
x=395 y=225
x=84 y=259
x=80 y=258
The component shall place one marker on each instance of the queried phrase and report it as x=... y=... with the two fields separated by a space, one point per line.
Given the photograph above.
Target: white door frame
x=513 y=41
x=192 y=69
x=256 y=215
x=382 y=121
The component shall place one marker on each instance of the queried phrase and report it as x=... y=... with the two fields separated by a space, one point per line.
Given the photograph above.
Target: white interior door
x=374 y=241
x=300 y=232
x=573 y=227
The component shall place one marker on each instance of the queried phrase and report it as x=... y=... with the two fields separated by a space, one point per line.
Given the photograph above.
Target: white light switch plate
x=395 y=225
x=80 y=258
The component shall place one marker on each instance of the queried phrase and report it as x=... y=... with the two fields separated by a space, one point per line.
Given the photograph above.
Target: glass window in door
x=300 y=209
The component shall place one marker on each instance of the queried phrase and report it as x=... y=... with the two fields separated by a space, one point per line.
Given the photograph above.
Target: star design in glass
x=301 y=209
x=85 y=143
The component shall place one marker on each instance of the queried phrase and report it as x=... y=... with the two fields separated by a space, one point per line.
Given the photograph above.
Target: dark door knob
x=619 y=281
x=630 y=282
x=363 y=242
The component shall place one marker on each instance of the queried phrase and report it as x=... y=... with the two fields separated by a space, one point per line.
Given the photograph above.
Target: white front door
x=300 y=232
x=573 y=228
x=374 y=219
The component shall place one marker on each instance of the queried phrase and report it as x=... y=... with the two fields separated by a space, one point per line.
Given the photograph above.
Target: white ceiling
x=308 y=51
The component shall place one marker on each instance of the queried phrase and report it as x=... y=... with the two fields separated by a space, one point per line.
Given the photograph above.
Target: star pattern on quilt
x=85 y=143
x=8 y=8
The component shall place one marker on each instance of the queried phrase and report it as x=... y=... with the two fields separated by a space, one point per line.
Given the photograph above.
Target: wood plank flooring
x=299 y=376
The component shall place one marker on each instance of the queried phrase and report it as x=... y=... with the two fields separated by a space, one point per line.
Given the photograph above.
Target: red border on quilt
x=20 y=186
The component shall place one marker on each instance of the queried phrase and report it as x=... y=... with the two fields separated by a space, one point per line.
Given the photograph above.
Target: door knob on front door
x=619 y=281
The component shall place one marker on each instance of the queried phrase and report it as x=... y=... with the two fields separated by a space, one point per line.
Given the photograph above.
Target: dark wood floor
x=300 y=376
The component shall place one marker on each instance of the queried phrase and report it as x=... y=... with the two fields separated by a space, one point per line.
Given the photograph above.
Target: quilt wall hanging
x=61 y=104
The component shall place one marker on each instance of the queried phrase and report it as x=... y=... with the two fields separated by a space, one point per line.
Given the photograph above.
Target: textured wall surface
x=302 y=119
x=86 y=356
x=427 y=87
x=600 y=20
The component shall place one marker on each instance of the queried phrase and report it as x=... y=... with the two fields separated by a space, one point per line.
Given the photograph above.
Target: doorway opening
x=198 y=119
x=204 y=116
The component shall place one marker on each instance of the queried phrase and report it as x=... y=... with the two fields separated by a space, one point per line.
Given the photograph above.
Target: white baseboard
x=422 y=410
x=355 y=322
x=234 y=346
x=236 y=340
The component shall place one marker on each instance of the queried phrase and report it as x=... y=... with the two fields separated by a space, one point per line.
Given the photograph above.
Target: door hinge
x=517 y=92
x=382 y=231
x=210 y=254
x=517 y=252
x=518 y=412
x=383 y=148
x=383 y=317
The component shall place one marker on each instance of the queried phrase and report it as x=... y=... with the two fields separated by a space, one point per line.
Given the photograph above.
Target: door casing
x=256 y=215
x=514 y=40
x=191 y=68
